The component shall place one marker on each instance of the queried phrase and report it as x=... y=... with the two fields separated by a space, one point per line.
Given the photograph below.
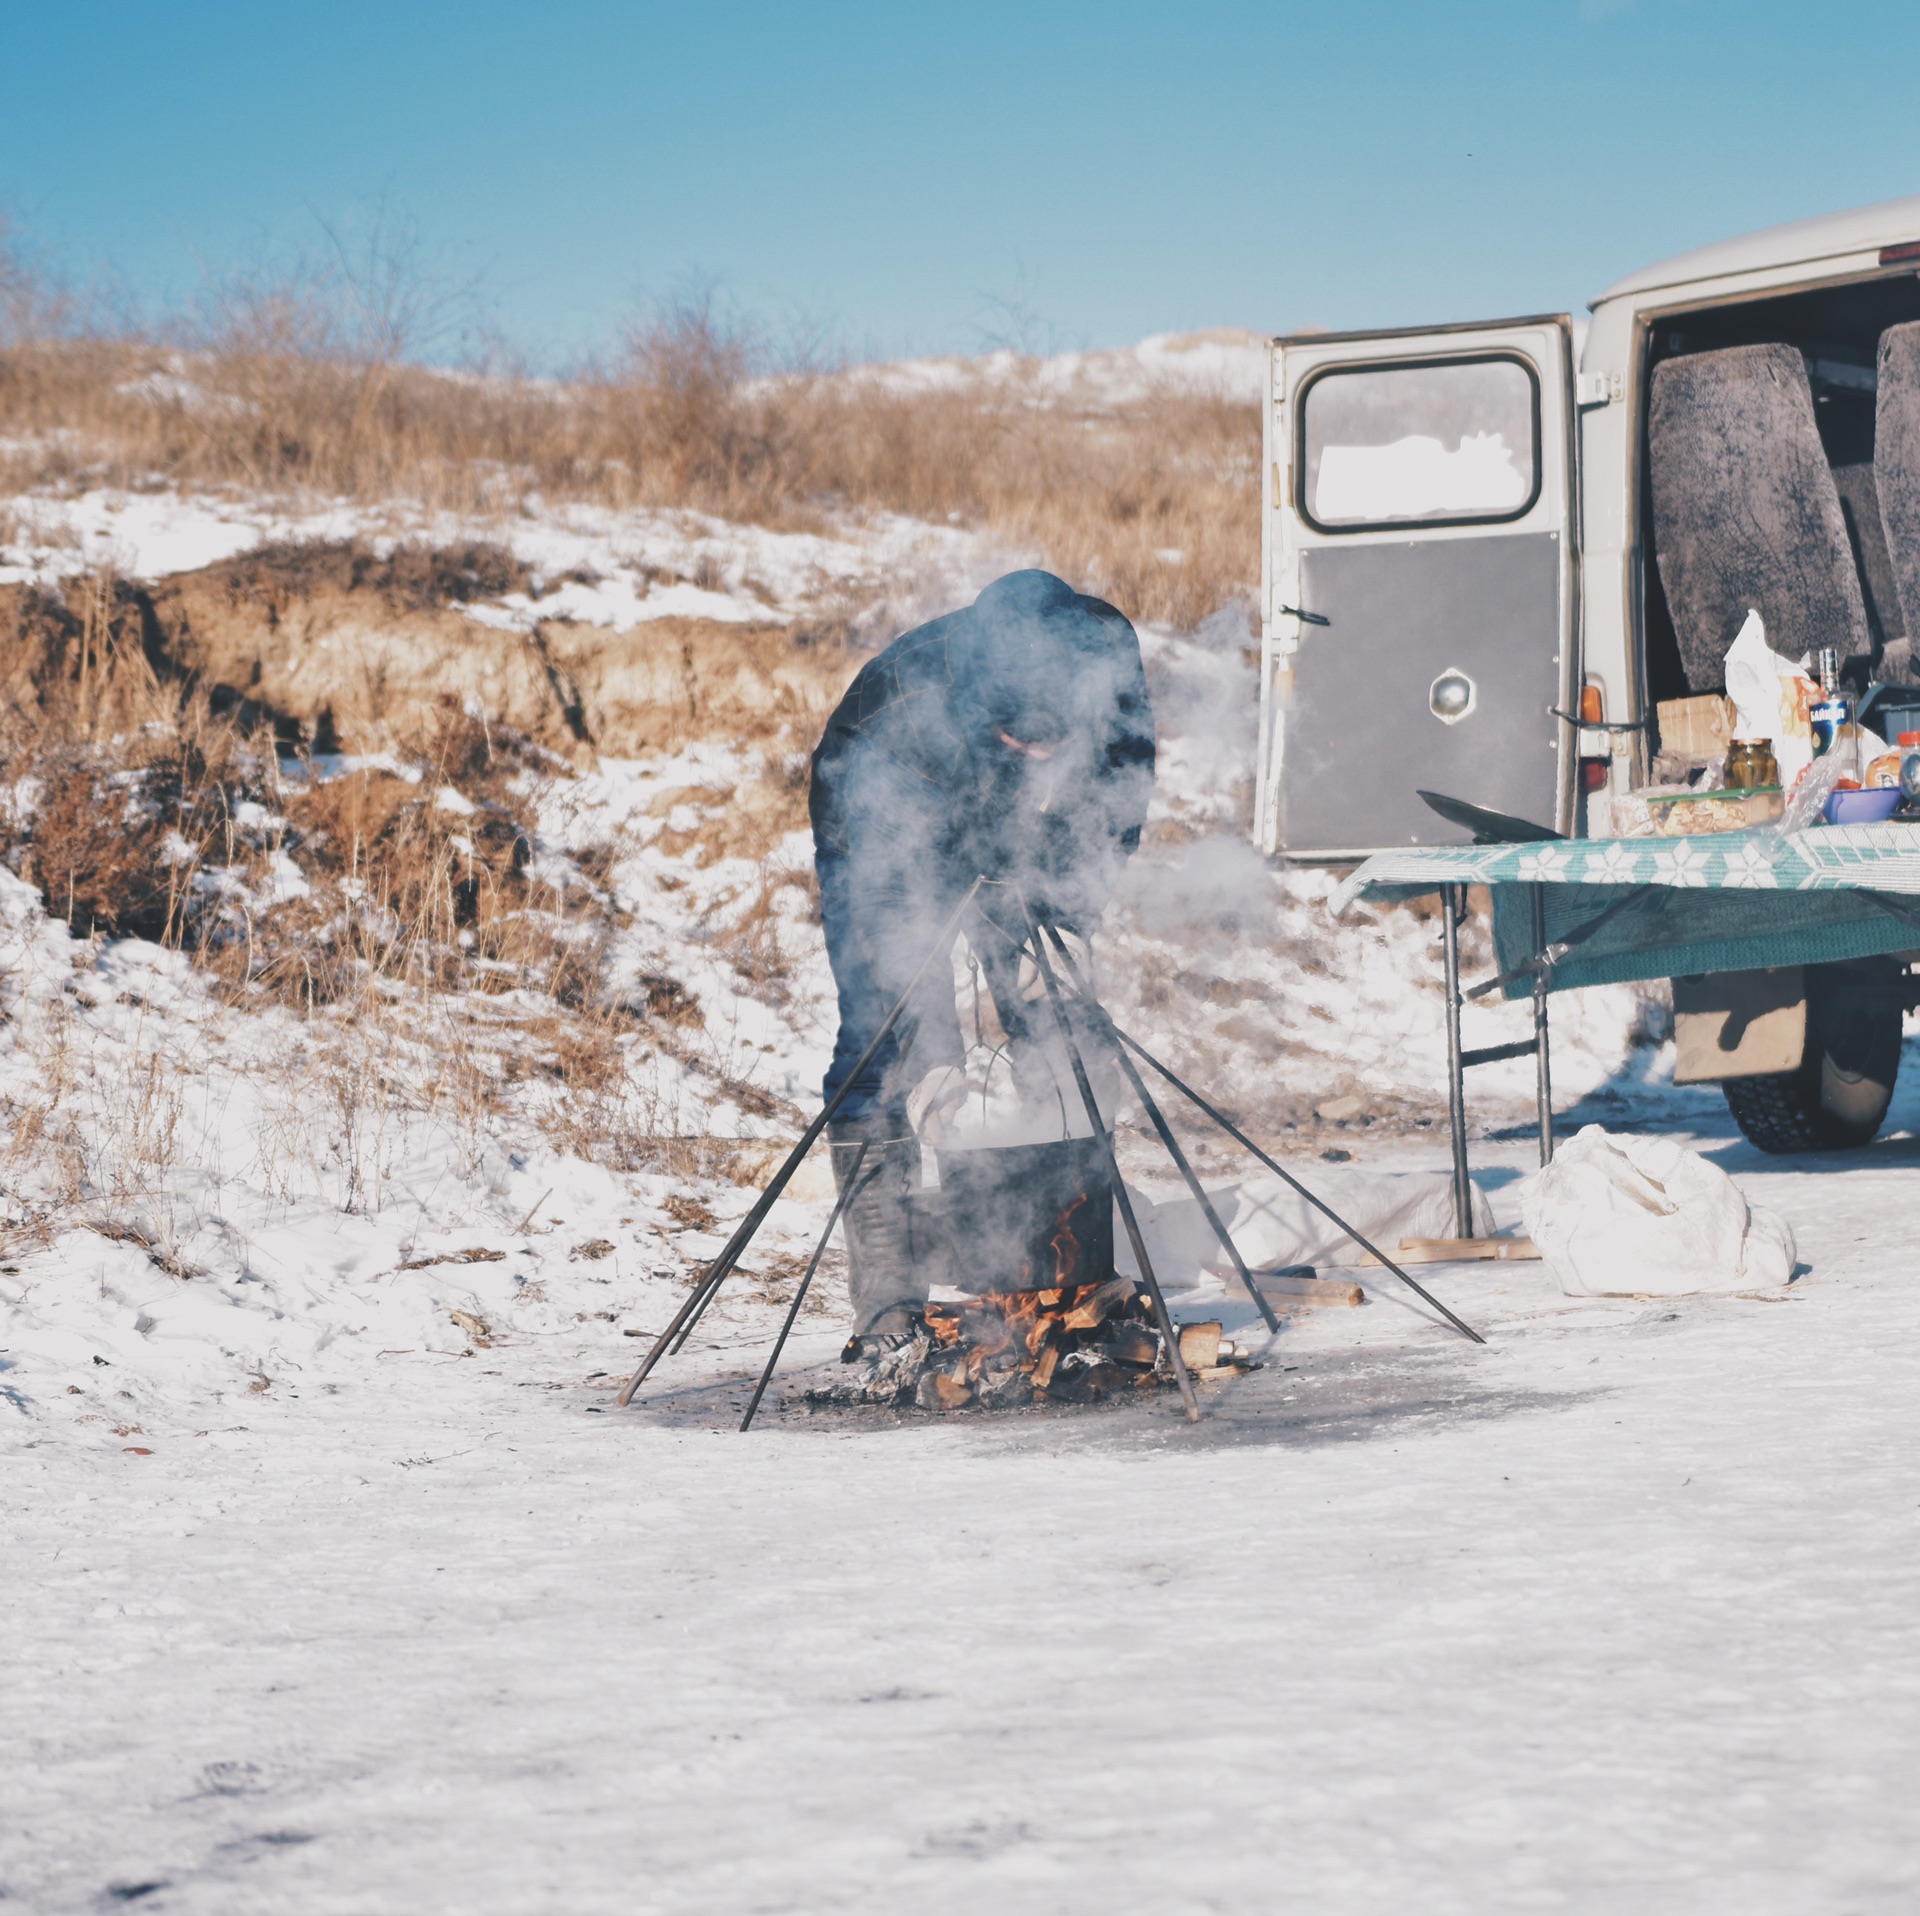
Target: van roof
x=1865 y=229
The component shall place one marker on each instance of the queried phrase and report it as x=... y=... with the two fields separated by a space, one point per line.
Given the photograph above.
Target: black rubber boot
x=885 y=1280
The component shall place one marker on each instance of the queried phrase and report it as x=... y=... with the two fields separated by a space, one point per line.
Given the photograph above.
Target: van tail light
x=1906 y=252
x=1594 y=772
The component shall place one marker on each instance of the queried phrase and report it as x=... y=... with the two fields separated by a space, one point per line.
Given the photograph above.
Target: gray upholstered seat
x=1860 y=506
x=1896 y=460
x=1745 y=510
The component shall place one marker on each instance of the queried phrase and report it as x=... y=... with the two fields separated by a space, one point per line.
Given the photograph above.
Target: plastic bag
x=1767 y=698
x=1754 y=671
x=1807 y=801
x=1018 y=1093
x=1632 y=1216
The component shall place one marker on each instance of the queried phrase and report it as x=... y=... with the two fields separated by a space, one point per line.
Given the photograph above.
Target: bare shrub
x=118 y=832
x=96 y=870
x=79 y=663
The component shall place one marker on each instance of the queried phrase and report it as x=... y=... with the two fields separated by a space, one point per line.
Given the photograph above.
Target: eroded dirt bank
x=336 y=648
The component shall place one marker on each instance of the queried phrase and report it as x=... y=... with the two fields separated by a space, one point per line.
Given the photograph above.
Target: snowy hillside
x=644 y=565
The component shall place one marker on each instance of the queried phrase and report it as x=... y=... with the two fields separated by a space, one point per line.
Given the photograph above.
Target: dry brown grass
x=186 y=827
x=436 y=972
x=1154 y=504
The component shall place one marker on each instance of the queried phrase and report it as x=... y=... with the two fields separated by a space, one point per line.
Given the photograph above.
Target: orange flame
x=1027 y=1330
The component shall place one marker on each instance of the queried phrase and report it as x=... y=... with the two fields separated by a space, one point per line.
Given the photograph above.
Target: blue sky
x=933 y=177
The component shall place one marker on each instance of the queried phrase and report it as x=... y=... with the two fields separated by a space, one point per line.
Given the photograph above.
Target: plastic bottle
x=1910 y=768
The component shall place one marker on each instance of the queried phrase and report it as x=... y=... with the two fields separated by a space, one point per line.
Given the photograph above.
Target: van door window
x=1440 y=442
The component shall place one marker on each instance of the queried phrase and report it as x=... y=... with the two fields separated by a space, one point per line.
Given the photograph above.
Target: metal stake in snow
x=721 y=1268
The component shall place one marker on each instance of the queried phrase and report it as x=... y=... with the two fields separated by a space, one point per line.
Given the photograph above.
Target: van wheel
x=1838 y=1095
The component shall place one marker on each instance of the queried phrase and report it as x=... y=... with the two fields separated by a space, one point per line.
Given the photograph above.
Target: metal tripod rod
x=1286 y=1177
x=1543 y=1072
x=1453 y=907
x=1121 y=1198
x=800 y=1295
x=713 y=1290
x=1083 y=992
x=717 y=1272
x=945 y=941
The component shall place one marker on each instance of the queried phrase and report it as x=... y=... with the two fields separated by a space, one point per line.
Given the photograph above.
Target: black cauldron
x=1028 y=1217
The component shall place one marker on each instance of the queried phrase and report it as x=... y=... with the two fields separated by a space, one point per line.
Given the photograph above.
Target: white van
x=1496 y=556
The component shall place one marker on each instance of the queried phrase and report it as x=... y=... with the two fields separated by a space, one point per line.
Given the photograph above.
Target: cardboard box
x=1696 y=729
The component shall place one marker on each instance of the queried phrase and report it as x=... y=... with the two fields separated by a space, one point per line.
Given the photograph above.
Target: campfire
x=1064 y=1330
x=1072 y=1344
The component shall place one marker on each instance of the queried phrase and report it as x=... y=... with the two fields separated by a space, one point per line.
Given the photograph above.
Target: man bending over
x=1011 y=741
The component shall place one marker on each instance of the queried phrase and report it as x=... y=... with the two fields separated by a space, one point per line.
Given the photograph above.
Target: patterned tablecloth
x=1730 y=901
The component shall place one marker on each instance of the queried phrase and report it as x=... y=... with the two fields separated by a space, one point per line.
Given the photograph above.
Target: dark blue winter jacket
x=916 y=787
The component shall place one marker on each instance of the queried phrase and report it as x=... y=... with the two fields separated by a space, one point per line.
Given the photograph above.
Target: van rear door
x=1420 y=585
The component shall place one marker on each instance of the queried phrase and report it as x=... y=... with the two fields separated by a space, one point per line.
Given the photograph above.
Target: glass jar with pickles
x=1751 y=765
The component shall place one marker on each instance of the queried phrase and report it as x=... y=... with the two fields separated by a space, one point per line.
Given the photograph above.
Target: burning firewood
x=1200 y=1345
x=887 y=1380
x=940 y=1390
x=1099 y=1305
x=1001 y=1390
x=1084 y=1383
x=1073 y=1344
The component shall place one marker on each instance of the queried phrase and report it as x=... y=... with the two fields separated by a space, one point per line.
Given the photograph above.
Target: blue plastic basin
x=1863 y=808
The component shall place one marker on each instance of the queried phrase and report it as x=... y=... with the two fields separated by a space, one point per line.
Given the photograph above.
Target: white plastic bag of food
x=1764 y=689
x=1646 y=1217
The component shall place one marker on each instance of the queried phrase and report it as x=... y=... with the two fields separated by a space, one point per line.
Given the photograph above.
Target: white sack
x=1633 y=1216
x=1012 y=1094
x=1272 y=1225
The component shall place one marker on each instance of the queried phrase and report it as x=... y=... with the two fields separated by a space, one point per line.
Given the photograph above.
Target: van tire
x=1836 y=1098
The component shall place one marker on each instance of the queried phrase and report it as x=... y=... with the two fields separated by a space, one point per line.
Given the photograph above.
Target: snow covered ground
x=322 y=1592
x=1614 y=1613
